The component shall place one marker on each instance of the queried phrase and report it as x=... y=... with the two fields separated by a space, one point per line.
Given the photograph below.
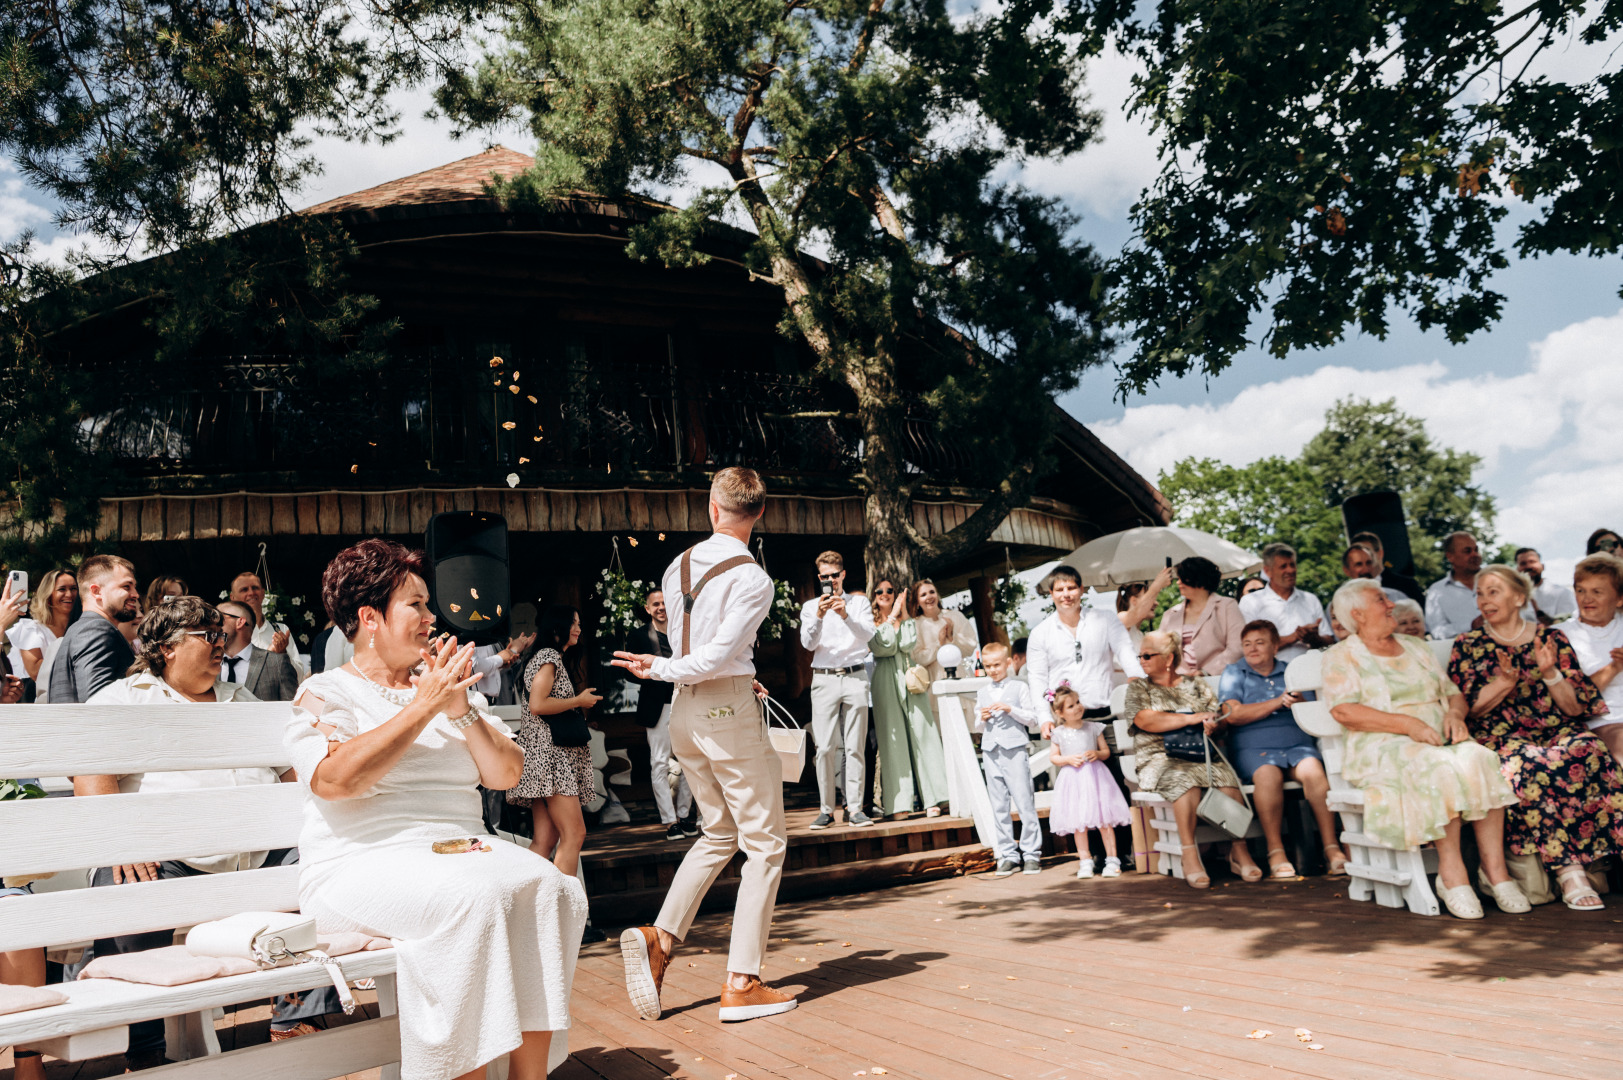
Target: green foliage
x=880 y=134
x=1364 y=446
x=12 y=790
x=1324 y=164
x=180 y=132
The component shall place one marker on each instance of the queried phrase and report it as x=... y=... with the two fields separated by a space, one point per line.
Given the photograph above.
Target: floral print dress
x=1570 y=788
x=1411 y=789
x=1171 y=777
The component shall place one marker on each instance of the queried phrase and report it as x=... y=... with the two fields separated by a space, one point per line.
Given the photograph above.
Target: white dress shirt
x=1055 y=655
x=1555 y=600
x=240 y=676
x=836 y=642
x=1300 y=608
x=487 y=662
x=725 y=616
x=262 y=638
x=1009 y=730
x=1450 y=608
x=145 y=688
x=1593 y=646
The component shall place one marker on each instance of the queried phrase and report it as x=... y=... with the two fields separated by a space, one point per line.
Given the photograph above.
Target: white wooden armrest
x=100 y=1003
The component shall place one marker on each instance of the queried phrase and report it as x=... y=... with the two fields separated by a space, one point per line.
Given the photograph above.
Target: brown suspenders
x=690 y=592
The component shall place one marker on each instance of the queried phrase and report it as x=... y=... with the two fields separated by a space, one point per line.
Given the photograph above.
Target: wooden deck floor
x=1051 y=978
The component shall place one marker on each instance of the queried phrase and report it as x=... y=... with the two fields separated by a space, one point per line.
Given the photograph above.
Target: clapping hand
x=516 y=647
x=946 y=632
x=1504 y=668
x=279 y=641
x=12 y=691
x=1546 y=656
x=445 y=677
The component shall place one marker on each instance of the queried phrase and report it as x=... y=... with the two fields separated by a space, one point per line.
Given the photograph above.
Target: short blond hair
x=994 y=650
x=739 y=491
x=1603 y=565
x=831 y=558
x=1172 y=645
x=1510 y=576
x=100 y=567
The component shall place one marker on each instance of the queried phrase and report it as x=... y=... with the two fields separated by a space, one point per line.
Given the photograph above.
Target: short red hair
x=366 y=575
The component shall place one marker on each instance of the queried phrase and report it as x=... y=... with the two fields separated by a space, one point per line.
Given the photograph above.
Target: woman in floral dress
x=1529 y=700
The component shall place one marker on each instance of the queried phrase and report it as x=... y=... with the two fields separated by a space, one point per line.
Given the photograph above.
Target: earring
x=372 y=641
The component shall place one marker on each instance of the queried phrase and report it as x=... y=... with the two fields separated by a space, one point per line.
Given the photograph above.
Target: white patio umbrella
x=1139 y=554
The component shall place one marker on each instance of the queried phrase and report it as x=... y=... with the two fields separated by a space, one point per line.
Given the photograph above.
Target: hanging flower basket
x=623 y=598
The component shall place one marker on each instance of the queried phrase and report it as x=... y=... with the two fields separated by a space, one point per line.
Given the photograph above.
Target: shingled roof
x=458 y=181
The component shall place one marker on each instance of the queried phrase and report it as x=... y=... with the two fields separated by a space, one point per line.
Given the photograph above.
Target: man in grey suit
x=267 y=674
x=93 y=652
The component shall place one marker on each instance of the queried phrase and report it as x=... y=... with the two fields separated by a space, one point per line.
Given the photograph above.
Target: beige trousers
x=719 y=736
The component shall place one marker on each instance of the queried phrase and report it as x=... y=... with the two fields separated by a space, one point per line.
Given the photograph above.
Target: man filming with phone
x=836 y=628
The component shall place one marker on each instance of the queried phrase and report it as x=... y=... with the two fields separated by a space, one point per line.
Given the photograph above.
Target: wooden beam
x=233 y=510
x=206 y=519
x=375 y=519
x=259 y=517
x=177 y=519
x=399 y=512
x=151 y=519
x=285 y=514
x=329 y=520
x=421 y=511
x=107 y=527
x=563 y=511
x=351 y=514
x=540 y=510
x=515 y=508
x=488 y=500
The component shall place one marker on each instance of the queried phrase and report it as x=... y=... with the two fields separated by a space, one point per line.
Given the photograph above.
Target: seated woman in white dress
x=487 y=940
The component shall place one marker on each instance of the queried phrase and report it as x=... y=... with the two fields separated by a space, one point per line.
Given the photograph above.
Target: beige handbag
x=270 y=939
x=918 y=679
x=1528 y=874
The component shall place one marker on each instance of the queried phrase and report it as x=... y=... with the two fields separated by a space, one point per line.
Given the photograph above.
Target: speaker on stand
x=1381 y=512
x=471 y=595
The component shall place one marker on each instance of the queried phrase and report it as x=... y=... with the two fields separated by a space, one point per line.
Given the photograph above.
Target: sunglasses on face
x=1149 y=655
x=213 y=637
x=884 y=592
x=827 y=577
x=1605 y=545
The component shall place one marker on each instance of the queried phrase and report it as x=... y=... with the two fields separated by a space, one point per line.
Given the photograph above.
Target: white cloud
x=1547 y=435
x=18 y=213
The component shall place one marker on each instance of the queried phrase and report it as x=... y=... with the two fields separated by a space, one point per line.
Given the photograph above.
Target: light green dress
x=1411 y=790
x=911 y=763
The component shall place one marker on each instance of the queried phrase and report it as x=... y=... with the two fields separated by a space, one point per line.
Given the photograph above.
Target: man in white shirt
x=246 y=588
x=1451 y=600
x=1296 y=613
x=836 y=628
x=265 y=673
x=1076 y=644
x=1550 y=597
x=719 y=736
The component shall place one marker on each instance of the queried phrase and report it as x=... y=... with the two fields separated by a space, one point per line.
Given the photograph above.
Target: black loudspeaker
x=1381 y=512
x=472 y=592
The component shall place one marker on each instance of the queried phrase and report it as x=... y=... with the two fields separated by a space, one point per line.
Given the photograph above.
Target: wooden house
x=621 y=387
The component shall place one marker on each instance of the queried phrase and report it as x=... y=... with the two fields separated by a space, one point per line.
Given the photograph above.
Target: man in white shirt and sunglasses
x=1076 y=645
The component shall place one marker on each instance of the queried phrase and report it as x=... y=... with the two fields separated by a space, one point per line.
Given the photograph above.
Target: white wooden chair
x=1391 y=877
x=1158 y=811
x=46 y=835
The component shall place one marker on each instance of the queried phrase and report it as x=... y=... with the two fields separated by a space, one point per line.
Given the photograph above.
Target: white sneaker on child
x=1112 y=867
x=1084 y=868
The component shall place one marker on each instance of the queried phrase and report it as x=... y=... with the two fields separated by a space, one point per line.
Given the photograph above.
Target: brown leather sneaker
x=755 y=1000
x=283 y=1034
x=645 y=969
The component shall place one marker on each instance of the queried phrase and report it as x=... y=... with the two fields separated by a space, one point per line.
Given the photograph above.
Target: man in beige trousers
x=717 y=596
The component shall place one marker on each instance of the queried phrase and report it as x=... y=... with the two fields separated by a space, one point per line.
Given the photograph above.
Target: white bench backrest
x=1305 y=673
x=1124 y=737
x=1442 y=650
x=47 y=835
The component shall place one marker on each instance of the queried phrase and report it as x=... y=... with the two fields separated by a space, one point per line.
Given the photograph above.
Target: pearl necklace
x=389 y=694
x=1521 y=628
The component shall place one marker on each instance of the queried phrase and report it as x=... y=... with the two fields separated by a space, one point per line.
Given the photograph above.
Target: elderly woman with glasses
x=1409 y=749
x=182 y=643
x=1165 y=701
x=912 y=767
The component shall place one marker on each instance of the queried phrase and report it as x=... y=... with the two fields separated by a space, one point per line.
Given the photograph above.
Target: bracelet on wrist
x=465 y=721
x=1552 y=680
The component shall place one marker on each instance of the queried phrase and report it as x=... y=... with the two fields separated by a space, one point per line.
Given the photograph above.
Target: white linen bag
x=788 y=739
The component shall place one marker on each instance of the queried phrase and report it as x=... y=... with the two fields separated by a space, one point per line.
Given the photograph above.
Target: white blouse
x=29 y=634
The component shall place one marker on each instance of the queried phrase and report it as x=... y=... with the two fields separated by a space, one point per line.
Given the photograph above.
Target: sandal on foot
x=1282 y=869
x=1335 y=861
x=1247 y=873
x=1199 y=879
x=1507 y=894
x=1575 y=887
x=1461 y=901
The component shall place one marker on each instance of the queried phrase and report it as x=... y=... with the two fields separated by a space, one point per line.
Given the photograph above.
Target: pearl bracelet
x=465 y=721
x=1555 y=679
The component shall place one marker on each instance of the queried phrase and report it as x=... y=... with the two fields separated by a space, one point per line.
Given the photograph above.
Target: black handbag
x=569 y=728
x=1186 y=743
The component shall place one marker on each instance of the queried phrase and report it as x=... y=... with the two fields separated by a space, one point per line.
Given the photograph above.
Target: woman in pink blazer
x=1208 y=624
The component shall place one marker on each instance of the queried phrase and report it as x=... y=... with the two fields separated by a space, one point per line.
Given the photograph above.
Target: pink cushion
x=15 y=999
x=169 y=966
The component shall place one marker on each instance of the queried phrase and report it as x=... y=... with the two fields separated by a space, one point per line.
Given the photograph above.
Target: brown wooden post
x=980 y=599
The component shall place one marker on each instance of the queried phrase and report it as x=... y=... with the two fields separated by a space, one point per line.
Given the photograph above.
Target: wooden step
x=641 y=905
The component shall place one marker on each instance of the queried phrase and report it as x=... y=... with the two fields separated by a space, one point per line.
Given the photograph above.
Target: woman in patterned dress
x=557 y=779
x=1408 y=748
x=1529 y=703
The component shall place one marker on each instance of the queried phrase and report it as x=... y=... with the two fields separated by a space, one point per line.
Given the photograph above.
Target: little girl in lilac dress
x=1086 y=796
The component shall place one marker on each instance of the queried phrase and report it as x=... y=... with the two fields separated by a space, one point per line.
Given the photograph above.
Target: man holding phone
x=836 y=628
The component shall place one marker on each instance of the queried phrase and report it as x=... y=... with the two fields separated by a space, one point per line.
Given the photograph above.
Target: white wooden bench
x=46 y=835
x=1158 y=811
x=1393 y=878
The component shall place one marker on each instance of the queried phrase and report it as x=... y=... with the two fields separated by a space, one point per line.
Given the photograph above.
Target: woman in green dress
x=1410 y=750
x=911 y=765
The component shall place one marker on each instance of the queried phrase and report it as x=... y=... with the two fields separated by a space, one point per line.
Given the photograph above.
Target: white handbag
x=1219 y=810
x=788 y=739
x=270 y=939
